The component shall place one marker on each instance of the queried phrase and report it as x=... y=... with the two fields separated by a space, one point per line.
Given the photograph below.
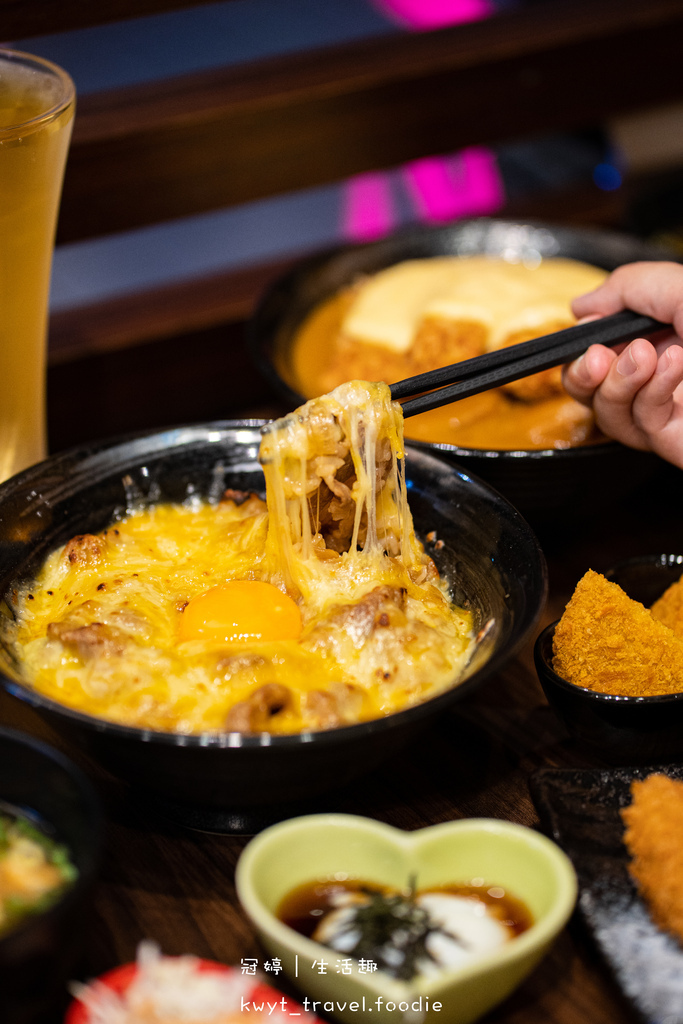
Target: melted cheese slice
x=504 y=297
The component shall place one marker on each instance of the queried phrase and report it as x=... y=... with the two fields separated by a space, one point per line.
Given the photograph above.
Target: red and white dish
x=105 y=999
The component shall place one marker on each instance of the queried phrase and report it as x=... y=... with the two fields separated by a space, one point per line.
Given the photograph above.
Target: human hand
x=636 y=390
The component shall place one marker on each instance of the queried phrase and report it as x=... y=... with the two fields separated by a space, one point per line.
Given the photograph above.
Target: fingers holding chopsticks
x=636 y=391
x=632 y=393
x=651 y=287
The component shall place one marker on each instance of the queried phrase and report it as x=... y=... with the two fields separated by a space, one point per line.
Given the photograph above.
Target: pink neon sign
x=466 y=184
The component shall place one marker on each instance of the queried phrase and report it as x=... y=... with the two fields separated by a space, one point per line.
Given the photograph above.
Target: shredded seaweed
x=392 y=931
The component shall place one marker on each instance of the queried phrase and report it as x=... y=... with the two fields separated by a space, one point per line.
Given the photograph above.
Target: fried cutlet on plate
x=654 y=839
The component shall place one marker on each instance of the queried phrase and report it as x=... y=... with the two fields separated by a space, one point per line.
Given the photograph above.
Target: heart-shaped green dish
x=317 y=846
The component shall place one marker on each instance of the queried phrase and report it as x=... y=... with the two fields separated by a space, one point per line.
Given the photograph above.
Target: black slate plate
x=580 y=810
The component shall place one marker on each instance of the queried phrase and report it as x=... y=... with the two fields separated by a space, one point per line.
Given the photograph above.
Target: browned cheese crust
x=83 y=549
x=654 y=840
x=609 y=643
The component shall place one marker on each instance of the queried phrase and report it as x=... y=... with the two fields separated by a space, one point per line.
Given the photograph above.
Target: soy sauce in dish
x=405 y=932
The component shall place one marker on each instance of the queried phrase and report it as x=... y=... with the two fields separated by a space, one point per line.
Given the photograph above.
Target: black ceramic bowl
x=38 y=958
x=490 y=556
x=539 y=483
x=622 y=730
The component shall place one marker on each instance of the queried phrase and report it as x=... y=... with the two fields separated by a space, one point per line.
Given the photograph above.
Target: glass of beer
x=37 y=101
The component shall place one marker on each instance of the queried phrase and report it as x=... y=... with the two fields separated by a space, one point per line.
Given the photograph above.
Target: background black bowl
x=540 y=484
x=622 y=730
x=646 y=577
x=490 y=556
x=38 y=958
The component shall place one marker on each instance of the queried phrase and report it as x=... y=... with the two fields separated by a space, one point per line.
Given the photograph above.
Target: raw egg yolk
x=241 y=611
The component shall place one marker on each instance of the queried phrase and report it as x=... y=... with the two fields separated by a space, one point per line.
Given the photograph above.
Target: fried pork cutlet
x=669 y=608
x=610 y=643
x=547 y=383
x=654 y=839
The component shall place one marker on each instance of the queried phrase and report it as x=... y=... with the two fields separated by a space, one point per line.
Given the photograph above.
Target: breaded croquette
x=543 y=385
x=654 y=839
x=610 y=643
x=669 y=607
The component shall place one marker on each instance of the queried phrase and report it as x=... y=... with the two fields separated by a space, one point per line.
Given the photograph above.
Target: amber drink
x=36 y=114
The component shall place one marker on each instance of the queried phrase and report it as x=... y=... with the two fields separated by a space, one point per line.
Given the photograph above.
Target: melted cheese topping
x=335 y=486
x=505 y=298
x=372 y=631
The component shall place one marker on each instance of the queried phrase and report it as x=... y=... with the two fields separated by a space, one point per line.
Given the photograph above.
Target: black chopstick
x=503 y=365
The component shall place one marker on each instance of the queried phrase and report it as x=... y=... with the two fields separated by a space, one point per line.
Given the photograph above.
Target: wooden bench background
x=146 y=154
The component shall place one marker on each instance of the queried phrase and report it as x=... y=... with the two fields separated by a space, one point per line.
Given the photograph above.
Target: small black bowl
x=646 y=577
x=619 y=729
x=490 y=557
x=542 y=484
x=40 y=955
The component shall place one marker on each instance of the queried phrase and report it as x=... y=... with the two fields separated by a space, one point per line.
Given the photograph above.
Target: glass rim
x=66 y=98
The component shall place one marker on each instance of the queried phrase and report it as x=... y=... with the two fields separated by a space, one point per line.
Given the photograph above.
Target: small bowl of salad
x=50 y=836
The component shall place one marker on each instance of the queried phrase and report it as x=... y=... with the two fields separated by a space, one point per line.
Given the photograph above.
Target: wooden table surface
x=176 y=886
